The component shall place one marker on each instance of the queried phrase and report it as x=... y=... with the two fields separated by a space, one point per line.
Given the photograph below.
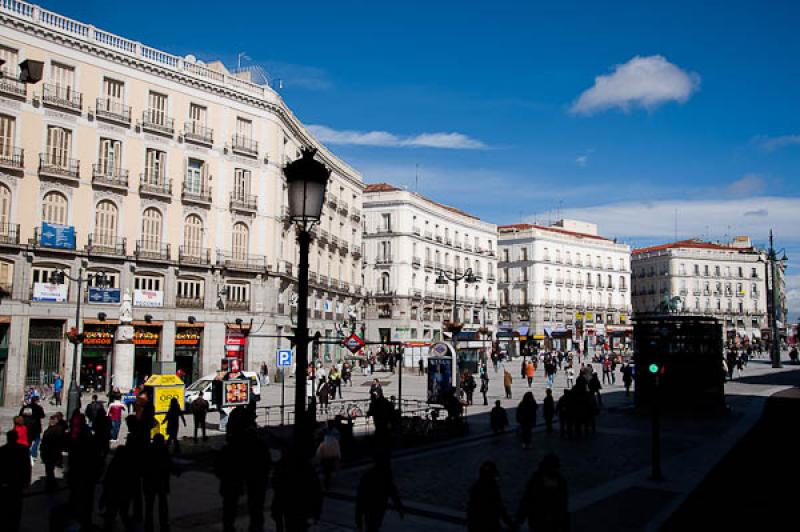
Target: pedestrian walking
x=58 y=388
x=323 y=395
x=421 y=366
x=595 y=387
x=526 y=418
x=485 y=508
x=530 y=371
x=85 y=465
x=92 y=410
x=372 y=498
x=606 y=371
x=485 y=388
x=544 y=504
x=548 y=409
x=118 y=490
x=297 y=496
x=564 y=415
x=15 y=476
x=469 y=386
x=329 y=455
x=498 y=419
x=22 y=433
x=156 y=482
x=199 y=408
x=570 y=374
x=51 y=448
x=507 y=380
x=172 y=419
x=115 y=411
x=627 y=378
x=32 y=415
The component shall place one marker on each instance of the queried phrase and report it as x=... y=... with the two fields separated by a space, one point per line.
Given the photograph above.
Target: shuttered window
x=54 y=208
x=193 y=235
x=62 y=76
x=152 y=221
x=59 y=142
x=110 y=156
x=241 y=182
x=10 y=57
x=113 y=90
x=241 y=241
x=158 y=108
x=7 y=124
x=155 y=166
x=105 y=223
x=5 y=208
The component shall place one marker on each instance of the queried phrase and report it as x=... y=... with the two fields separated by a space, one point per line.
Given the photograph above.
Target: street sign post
x=354 y=343
x=284 y=361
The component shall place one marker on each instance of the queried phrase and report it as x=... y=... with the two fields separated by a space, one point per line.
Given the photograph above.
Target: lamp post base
x=73 y=399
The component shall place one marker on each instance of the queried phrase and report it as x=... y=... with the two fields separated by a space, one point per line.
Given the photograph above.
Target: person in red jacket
x=22 y=431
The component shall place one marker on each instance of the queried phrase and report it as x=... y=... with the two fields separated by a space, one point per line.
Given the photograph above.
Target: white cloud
x=747 y=185
x=641 y=82
x=451 y=141
x=581 y=160
x=776 y=143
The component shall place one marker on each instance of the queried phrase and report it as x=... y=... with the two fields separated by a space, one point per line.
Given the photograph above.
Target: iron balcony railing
x=237 y=304
x=196 y=195
x=152 y=250
x=198 y=133
x=102 y=244
x=12 y=158
x=113 y=110
x=243 y=202
x=242 y=261
x=151 y=185
x=11 y=86
x=108 y=175
x=244 y=145
x=194 y=255
x=54 y=165
x=158 y=122
x=355 y=215
x=189 y=302
x=63 y=97
x=9 y=234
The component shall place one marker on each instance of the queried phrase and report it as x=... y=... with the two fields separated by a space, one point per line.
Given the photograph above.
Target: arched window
x=105 y=223
x=241 y=241
x=385 y=283
x=152 y=225
x=5 y=208
x=192 y=236
x=54 y=208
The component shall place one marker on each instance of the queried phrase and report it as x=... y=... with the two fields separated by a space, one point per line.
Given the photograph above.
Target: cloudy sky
x=651 y=119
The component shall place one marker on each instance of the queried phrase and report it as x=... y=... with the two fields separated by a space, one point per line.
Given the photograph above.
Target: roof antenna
x=239 y=57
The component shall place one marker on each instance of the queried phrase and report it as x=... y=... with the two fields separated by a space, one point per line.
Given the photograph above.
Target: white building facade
x=564 y=285
x=726 y=281
x=408 y=240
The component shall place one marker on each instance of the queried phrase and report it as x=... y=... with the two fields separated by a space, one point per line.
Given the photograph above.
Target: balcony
x=152 y=250
x=105 y=175
x=237 y=304
x=416 y=293
x=54 y=166
x=243 y=145
x=383 y=231
x=428 y=235
x=467 y=247
x=189 y=302
x=356 y=251
x=438 y=238
x=323 y=280
x=155 y=121
x=198 y=195
x=383 y=260
x=448 y=241
x=155 y=187
x=100 y=244
x=242 y=261
x=416 y=230
x=9 y=234
x=355 y=215
x=194 y=256
x=344 y=247
x=458 y=244
x=247 y=203
x=416 y=262
x=114 y=111
x=332 y=201
x=12 y=159
x=548 y=280
x=285 y=267
x=196 y=133
x=62 y=97
x=491 y=278
x=11 y=86
x=344 y=209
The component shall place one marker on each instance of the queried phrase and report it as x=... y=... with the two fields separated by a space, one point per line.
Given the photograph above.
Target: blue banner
x=57 y=236
x=104 y=295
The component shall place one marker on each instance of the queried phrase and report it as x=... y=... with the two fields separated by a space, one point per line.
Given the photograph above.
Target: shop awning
x=506 y=334
x=548 y=331
x=523 y=330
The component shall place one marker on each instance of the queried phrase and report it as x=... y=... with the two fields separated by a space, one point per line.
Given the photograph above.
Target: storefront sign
x=56 y=293
x=104 y=295
x=97 y=338
x=57 y=236
x=148 y=298
x=589 y=316
x=187 y=337
x=145 y=337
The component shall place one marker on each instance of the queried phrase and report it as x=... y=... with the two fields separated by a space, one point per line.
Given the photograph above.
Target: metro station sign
x=354 y=343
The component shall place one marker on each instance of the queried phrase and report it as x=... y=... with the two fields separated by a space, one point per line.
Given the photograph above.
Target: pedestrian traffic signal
x=653 y=368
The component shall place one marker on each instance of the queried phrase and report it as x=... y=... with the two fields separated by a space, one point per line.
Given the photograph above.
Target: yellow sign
x=160 y=426
x=164 y=380
x=622 y=318
x=589 y=316
x=578 y=316
x=162 y=396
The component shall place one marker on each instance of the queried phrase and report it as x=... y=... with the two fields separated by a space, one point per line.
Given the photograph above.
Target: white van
x=203 y=386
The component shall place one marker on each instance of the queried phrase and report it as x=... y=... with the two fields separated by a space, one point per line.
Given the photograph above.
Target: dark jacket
x=33 y=414
x=545 y=503
x=485 y=507
x=15 y=468
x=526 y=413
x=92 y=409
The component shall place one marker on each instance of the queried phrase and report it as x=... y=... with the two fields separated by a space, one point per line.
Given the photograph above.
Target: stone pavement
x=607 y=473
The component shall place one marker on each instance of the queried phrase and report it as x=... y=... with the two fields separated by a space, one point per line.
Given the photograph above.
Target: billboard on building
x=148 y=298
x=55 y=293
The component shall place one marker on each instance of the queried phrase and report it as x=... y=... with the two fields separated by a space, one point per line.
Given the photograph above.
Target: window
x=192 y=236
x=112 y=278
x=195 y=173
x=157 y=108
x=240 y=243
x=7 y=124
x=5 y=209
x=524 y=254
x=147 y=282
x=109 y=157
x=241 y=183
x=198 y=115
x=386 y=284
x=152 y=221
x=105 y=223
x=62 y=76
x=386 y=223
x=54 y=208
x=190 y=289
x=59 y=142
x=44 y=274
x=10 y=58
x=155 y=166
x=6 y=275
x=244 y=128
x=113 y=90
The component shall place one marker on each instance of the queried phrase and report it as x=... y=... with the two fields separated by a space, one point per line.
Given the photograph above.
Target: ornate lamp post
x=445 y=278
x=773 y=266
x=484 y=330
x=306 y=179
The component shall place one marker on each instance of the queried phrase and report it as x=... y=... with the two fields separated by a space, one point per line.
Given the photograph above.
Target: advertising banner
x=148 y=298
x=56 y=293
x=440 y=378
x=104 y=295
x=235 y=392
x=57 y=236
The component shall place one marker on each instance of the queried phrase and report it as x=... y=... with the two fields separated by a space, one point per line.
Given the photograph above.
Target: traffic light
x=655 y=369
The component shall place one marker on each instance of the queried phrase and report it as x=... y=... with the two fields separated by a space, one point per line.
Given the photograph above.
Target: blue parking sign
x=284 y=358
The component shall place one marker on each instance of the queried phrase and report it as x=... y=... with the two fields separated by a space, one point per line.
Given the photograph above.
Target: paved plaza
x=607 y=473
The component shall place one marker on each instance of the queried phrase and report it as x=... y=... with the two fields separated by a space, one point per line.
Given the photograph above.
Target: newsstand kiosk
x=161 y=389
x=230 y=389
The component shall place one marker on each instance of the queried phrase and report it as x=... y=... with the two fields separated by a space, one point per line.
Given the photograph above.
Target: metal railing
x=12 y=158
x=242 y=261
x=243 y=144
x=56 y=166
x=106 y=174
x=189 y=302
x=196 y=195
x=243 y=202
x=158 y=122
x=236 y=304
x=195 y=132
x=9 y=234
x=194 y=255
x=100 y=244
x=63 y=97
x=155 y=186
x=152 y=250
x=10 y=85
x=113 y=110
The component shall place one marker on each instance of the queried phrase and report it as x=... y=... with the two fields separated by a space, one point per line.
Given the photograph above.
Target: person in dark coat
x=565 y=414
x=118 y=488
x=544 y=504
x=257 y=473
x=323 y=395
x=85 y=468
x=92 y=409
x=102 y=432
x=199 y=411
x=372 y=498
x=32 y=415
x=595 y=387
x=549 y=409
x=155 y=482
x=485 y=508
x=15 y=476
x=52 y=445
x=297 y=493
x=627 y=378
x=498 y=419
x=231 y=478
x=526 y=418
x=173 y=417
x=485 y=388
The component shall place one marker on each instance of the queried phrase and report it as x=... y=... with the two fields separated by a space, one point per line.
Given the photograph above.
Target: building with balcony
x=408 y=240
x=165 y=174
x=725 y=280
x=563 y=285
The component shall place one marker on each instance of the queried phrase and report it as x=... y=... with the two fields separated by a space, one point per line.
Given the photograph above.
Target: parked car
x=203 y=386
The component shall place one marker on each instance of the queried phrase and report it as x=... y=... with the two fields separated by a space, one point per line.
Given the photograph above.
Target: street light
x=773 y=294
x=445 y=278
x=484 y=330
x=306 y=179
x=100 y=280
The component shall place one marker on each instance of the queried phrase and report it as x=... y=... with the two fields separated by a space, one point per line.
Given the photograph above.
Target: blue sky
x=622 y=113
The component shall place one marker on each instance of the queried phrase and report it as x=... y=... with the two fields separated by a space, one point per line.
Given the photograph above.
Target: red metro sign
x=354 y=343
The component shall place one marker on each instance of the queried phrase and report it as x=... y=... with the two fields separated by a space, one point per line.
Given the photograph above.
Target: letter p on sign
x=284 y=358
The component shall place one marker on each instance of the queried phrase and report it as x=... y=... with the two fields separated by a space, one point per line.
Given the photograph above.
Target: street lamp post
x=101 y=280
x=445 y=278
x=306 y=179
x=773 y=298
x=484 y=330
